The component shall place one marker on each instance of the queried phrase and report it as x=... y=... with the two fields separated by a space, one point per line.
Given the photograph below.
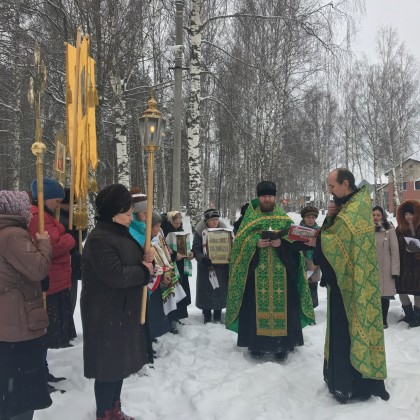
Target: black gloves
x=206 y=261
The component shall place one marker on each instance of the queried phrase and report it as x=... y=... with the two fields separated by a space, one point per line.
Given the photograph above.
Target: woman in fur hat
x=408 y=218
x=388 y=258
x=114 y=270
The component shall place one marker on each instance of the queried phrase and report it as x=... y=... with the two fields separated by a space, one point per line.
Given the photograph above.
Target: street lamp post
x=151 y=128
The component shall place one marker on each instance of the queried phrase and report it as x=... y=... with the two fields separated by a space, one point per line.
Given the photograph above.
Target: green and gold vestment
x=348 y=243
x=270 y=275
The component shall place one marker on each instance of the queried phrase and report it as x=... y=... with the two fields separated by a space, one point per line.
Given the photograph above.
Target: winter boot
x=174 y=328
x=109 y=415
x=385 y=309
x=217 y=316
x=416 y=318
x=118 y=414
x=409 y=314
x=281 y=356
x=257 y=354
x=207 y=315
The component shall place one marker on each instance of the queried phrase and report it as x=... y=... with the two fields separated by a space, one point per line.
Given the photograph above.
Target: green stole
x=348 y=243
x=270 y=275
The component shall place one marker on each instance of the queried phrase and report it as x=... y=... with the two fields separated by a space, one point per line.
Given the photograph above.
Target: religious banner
x=60 y=154
x=81 y=101
x=181 y=243
x=218 y=245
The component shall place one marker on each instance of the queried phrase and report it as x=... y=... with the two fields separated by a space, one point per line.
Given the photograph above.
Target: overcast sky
x=404 y=15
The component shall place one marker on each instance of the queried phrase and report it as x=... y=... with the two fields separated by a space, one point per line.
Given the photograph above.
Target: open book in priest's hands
x=301 y=233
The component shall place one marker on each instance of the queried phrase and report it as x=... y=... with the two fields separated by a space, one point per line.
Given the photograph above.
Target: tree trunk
x=395 y=195
x=17 y=115
x=193 y=119
x=123 y=163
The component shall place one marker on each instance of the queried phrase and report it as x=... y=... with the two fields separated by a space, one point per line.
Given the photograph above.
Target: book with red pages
x=301 y=233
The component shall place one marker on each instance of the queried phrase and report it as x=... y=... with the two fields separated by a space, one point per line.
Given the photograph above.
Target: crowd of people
x=269 y=286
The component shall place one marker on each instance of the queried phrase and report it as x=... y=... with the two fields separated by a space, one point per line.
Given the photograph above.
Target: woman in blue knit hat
x=61 y=328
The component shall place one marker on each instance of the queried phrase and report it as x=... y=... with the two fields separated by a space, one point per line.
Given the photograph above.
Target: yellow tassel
x=93 y=184
x=84 y=220
x=81 y=219
x=69 y=96
x=91 y=97
x=77 y=215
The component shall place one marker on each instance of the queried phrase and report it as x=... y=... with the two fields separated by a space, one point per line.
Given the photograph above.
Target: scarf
x=138 y=230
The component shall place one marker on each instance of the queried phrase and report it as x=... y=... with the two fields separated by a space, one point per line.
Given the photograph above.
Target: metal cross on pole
x=36 y=91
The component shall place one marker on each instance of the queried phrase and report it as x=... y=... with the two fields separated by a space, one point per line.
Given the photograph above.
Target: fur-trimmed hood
x=402 y=224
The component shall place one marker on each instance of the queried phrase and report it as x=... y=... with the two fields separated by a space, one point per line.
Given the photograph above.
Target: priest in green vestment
x=355 y=364
x=268 y=300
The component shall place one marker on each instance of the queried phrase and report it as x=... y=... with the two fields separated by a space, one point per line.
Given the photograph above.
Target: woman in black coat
x=114 y=271
x=208 y=299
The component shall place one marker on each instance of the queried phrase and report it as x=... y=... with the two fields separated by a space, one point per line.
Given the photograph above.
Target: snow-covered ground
x=200 y=374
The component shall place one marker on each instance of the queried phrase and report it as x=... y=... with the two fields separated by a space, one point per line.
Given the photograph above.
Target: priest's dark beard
x=267 y=207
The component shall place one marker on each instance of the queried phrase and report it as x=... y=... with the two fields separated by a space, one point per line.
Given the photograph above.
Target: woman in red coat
x=61 y=329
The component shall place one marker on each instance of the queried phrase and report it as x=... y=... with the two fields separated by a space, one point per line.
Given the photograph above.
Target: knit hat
x=266 y=188
x=210 y=213
x=139 y=200
x=156 y=219
x=309 y=210
x=15 y=203
x=408 y=208
x=52 y=189
x=112 y=200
